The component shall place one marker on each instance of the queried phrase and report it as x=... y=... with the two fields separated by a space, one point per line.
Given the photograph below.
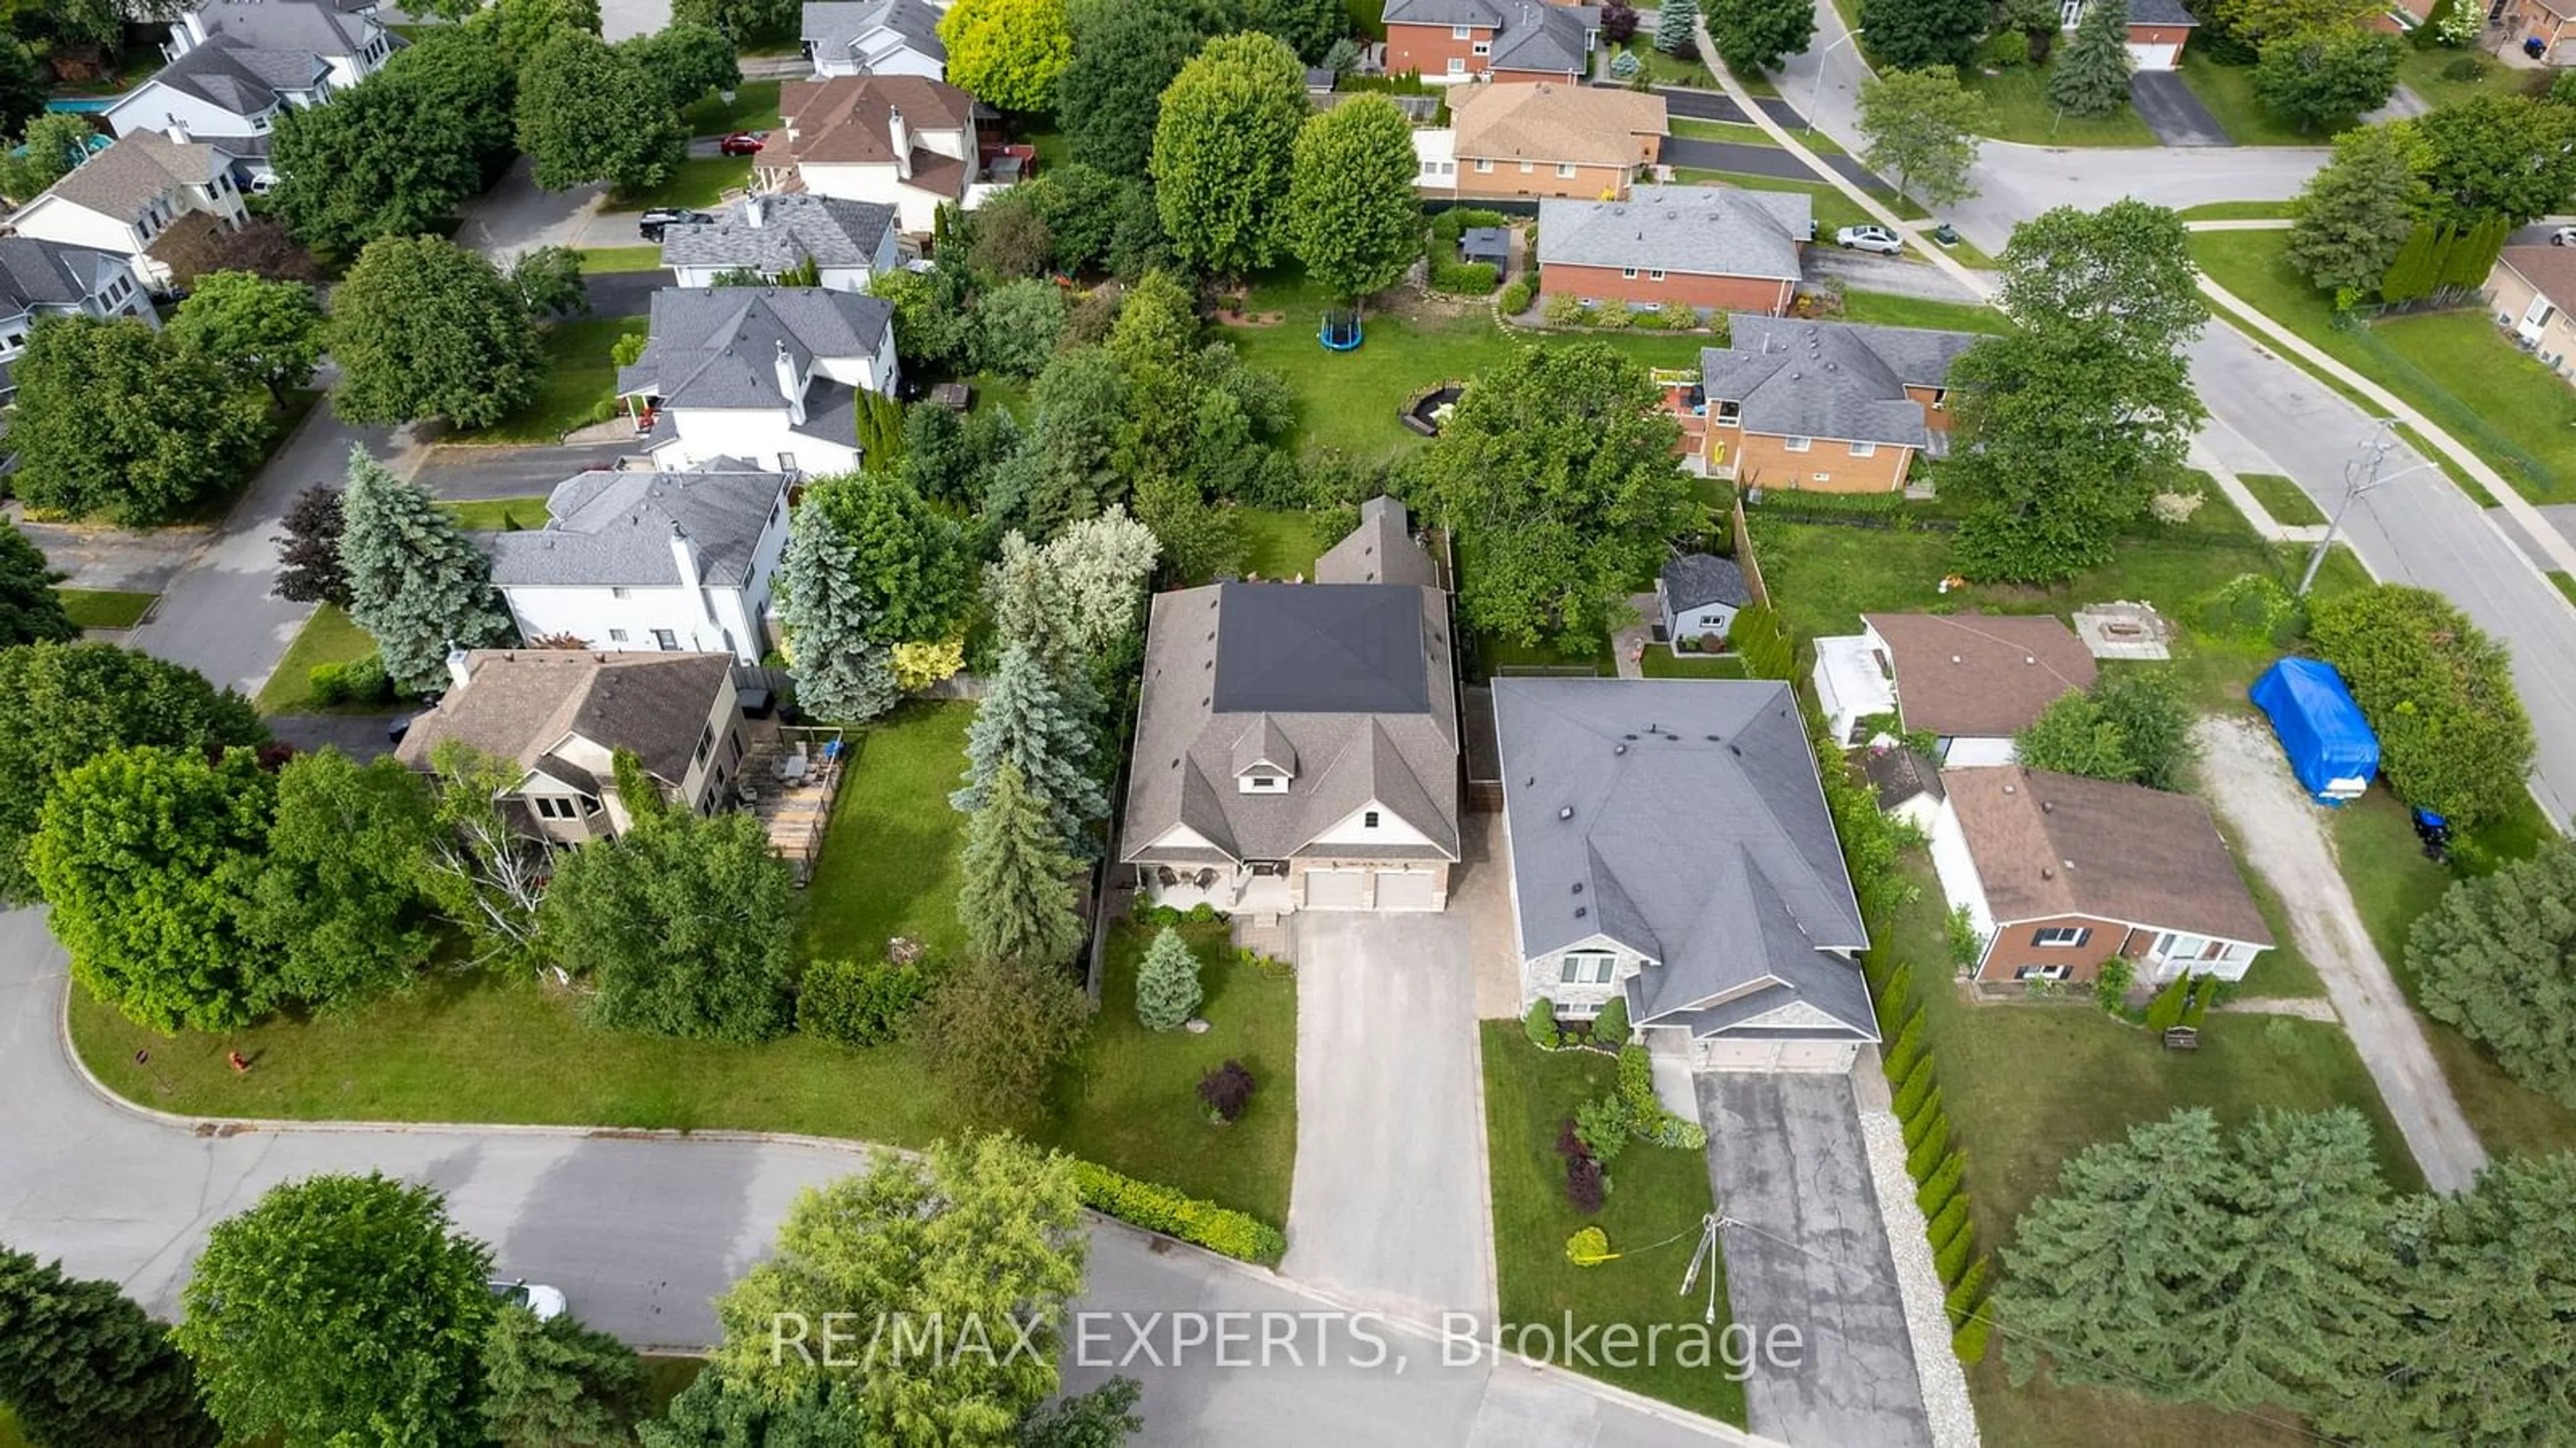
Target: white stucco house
x=1970 y=680
x=124 y=198
x=1671 y=848
x=766 y=375
x=874 y=37
x=847 y=242
x=907 y=141
x=671 y=562
x=40 y=279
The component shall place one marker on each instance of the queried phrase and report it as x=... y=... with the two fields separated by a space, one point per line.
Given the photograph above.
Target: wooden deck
x=791 y=778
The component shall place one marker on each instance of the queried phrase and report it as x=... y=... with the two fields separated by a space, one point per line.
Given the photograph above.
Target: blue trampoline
x=1340 y=330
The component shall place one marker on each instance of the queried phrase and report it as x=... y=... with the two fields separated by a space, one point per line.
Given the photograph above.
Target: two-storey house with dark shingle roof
x=770 y=375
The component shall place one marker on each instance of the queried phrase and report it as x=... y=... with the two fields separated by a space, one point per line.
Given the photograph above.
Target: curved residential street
x=641 y=1232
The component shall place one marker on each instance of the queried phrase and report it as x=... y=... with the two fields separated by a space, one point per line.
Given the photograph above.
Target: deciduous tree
x=1224 y=152
x=47 y=150
x=2323 y=78
x=1017 y=327
x=2255 y=21
x=1071 y=600
x=1914 y=34
x=1558 y=470
x=2439 y=692
x=549 y=282
x=339 y=1301
x=92 y=423
x=1081 y=206
x=1756 y=35
x=83 y=1366
x=484 y=871
x=688 y=59
x=2092 y=77
x=1016 y=900
x=522 y=28
x=308 y=552
x=2491 y=959
x=2495 y=155
x=912 y=575
x=1112 y=89
x=1007 y=53
x=424 y=328
x=1308 y=26
x=260 y=331
x=2134 y=727
x=1920 y=130
x=2356 y=211
x=417 y=585
x=337 y=907
x=745 y=20
x=1011 y=239
x=30 y=610
x=684 y=926
x=558 y=1384
x=398 y=153
x=590 y=112
x=1353 y=215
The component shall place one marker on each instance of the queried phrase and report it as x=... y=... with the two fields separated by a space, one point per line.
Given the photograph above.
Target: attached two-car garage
x=1737 y=1053
x=1372 y=888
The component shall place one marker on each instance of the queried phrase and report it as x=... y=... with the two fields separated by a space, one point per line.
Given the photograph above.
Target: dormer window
x=1264 y=783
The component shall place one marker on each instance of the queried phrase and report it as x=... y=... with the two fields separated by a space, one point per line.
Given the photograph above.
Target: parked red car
x=741 y=143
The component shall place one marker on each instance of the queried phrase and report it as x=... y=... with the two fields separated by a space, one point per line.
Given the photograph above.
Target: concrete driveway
x=1786 y=1160
x=1867 y=271
x=2173 y=112
x=1392 y=1205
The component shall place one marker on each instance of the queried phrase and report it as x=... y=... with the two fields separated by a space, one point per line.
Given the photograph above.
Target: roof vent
x=2046 y=873
x=1735 y=750
x=1578 y=887
x=2008 y=789
x=2030 y=658
x=1618 y=748
x=2067 y=865
x=1582 y=910
x=1565 y=811
x=1713 y=739
x=1629 y=737
x=2047 y=807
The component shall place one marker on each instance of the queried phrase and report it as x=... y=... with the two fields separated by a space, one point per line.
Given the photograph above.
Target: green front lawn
x=1665 y=69
x=1886 y=309
x=1280 y=542
x=2018 y=109
x=2565 y=583
x=2283 y=498
x=580 y=376
x=1749 y=134
x=497 y=515
x=600 y=259
x=2228 y=91
x=1652 y=1216
x=2454 y=367
x=1663 y=663
x=104 y=607
x=890 y=863
x=754 y=107
x=1131 y=1101
x=700 y=181
x=2423 y=72
x=328 y=637
x=2236 y=211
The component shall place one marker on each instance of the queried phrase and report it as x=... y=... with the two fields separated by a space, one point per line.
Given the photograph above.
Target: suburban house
x=1447 y=41
x=674 y=562
x=2551 y=22
x=2158 y=30
x=40 y=279
x=874 y=37
x=1971 y=680
x=126 y=197
x=1297 y=743
x=2531 y=287
x=2059 y=873
x=1697 y=596
x=560 y=715
x=1670 y=846
x=348 y=36
x=768 y=374
x=906 y=141
x=1831 y=407
x=846 y=242
x=1548 y=139
x=1709 y=247
x=236 y=65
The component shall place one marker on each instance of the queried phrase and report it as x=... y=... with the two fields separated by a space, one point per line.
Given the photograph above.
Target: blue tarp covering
x=2331 y=747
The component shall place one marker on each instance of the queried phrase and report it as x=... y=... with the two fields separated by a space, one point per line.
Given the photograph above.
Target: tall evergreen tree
x=1167 y=983
x=82 y=1366
x=2492 y=959
x=558 y=1384
x=1675 y=27
x=2356 y=212
x=2092 y=77
x=417 y=585
x=2412 y=272
x=1016 y=901
x=1037 y=718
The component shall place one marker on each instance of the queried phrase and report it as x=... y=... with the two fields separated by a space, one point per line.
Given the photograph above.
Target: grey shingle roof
x=1683 y=819
x=2160 y=12
x=837 y=25
x=793 y=228
x=1537 y=35
x=309 y=25
x=233 y=74
x=615 y=528
x=1704 y=230
x=126 y=177
x=1695 y=580
x=1353 y=682
x=519 y=703
x=1380 y=550
x=1443 y=12
x=1794 y=378
x=718 y=346
x=37 y=273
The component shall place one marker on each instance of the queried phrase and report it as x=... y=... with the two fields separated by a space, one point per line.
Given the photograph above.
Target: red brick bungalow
x=1710 y=247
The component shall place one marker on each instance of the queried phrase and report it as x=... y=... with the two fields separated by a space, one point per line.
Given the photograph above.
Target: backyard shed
x=2331 y=746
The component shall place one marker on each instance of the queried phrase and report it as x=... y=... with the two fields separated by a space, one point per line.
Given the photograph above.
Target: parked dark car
x=650 y=225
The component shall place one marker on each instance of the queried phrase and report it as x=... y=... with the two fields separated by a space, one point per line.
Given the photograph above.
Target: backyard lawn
x=579 y=377
x=2228 y=91
x=1663 y=663
x=1657 y=1198
x=2018 y=109
x=2283 y=498
x=496 y=515
x=2523 y=421
x=1280 y=542
x=2425 y=73
x=700 y=181
x=891 y=860
x=328 y=637
x=104 y=607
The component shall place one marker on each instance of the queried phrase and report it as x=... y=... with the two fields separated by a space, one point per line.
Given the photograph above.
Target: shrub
x=1463 y=278
x=1516 y=297
x=1158 y=1208
x=1167 y=983
x=1585 y=1184
x=1969 y=1342
x=328 y=683
x=1915 y=1090
x=1679 y=1133
x=2205 y=993
x=1946 y=1227
x=1925 y=1140
x=1605 y=1126
x=1625 y=65
x=1615 y=318
x=1967 y=945
x=1541 y=1023
x=1962 y=1301
x=1943 y=1184
x=1225 y=1091
x=2165 y=1011
x=2463 y=67
x=1565 y=309
x=1569 y=1138
x=2253 y=608
x=858 y=1002
x=1588 y=1247
x=1908 y=1048
x=1679 y=317
x=1951 y=1259
x=361 y=680
x=2112 y=985
x=1611 y=1028
x=1637 y=1080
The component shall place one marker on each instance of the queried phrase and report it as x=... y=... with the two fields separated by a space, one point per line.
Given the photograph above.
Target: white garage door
x=1404 y=890
x=2162 y=55
x=1742 y=1055
x=1336 y=889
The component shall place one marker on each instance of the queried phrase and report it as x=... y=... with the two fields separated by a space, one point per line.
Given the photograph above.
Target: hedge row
x=1155 y=1208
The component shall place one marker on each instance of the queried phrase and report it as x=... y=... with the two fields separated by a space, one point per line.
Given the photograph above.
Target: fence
x=2430 y=396
x=1744 y=558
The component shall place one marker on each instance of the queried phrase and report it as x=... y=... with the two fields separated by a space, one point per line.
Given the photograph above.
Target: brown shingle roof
x=1980 y=675
x=2055 y=844
x=2550 y=269
x=1552 y=122
x=520 y=703
x=845 y=119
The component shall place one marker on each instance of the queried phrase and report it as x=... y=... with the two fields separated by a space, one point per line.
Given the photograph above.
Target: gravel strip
x=1927 y=1322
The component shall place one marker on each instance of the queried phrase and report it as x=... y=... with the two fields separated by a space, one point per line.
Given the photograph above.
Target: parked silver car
x=1870 y=238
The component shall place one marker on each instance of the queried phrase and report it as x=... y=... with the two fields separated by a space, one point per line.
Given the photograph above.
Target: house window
x=617 y=635
x=1368 y=819
x=1627 y=274
x=706 y=744
x=1264 y=783
x=1457 y=65
x=1578 y=1010
x=1461 y=32
x=589 y=806
x=787 y=462
x=1564 y=170
x=1729 y=411
x=1484 y=166
x=1481 y=47
x=1586 y=967
x=1528 y=166
x=1796 y=444
x=2068 y=12
x=1864 y=449
x=2055 y=937
x=2043 y=972
x=666 y=641
x=550 y=808
x=733 y=747
x=1655 y=275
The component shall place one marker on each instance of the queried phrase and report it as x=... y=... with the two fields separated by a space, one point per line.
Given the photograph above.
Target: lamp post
x=2360 y=476
x=1816 y=92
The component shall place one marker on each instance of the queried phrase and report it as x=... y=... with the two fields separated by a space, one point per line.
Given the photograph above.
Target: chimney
x=177 y=131
x=684 y=555
x=753 y=209
x=791 y=386
x=899 y=139
x=459 y=672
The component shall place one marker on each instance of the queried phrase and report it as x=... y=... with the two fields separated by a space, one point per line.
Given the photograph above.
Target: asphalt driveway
x=1391 y=1206
x=1786 y=1160
x=2173 y=112
x=458 y=472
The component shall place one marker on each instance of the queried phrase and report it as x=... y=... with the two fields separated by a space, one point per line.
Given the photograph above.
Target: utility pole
x=1701 y=1257
x=2360 y=477
x=1816 y=92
